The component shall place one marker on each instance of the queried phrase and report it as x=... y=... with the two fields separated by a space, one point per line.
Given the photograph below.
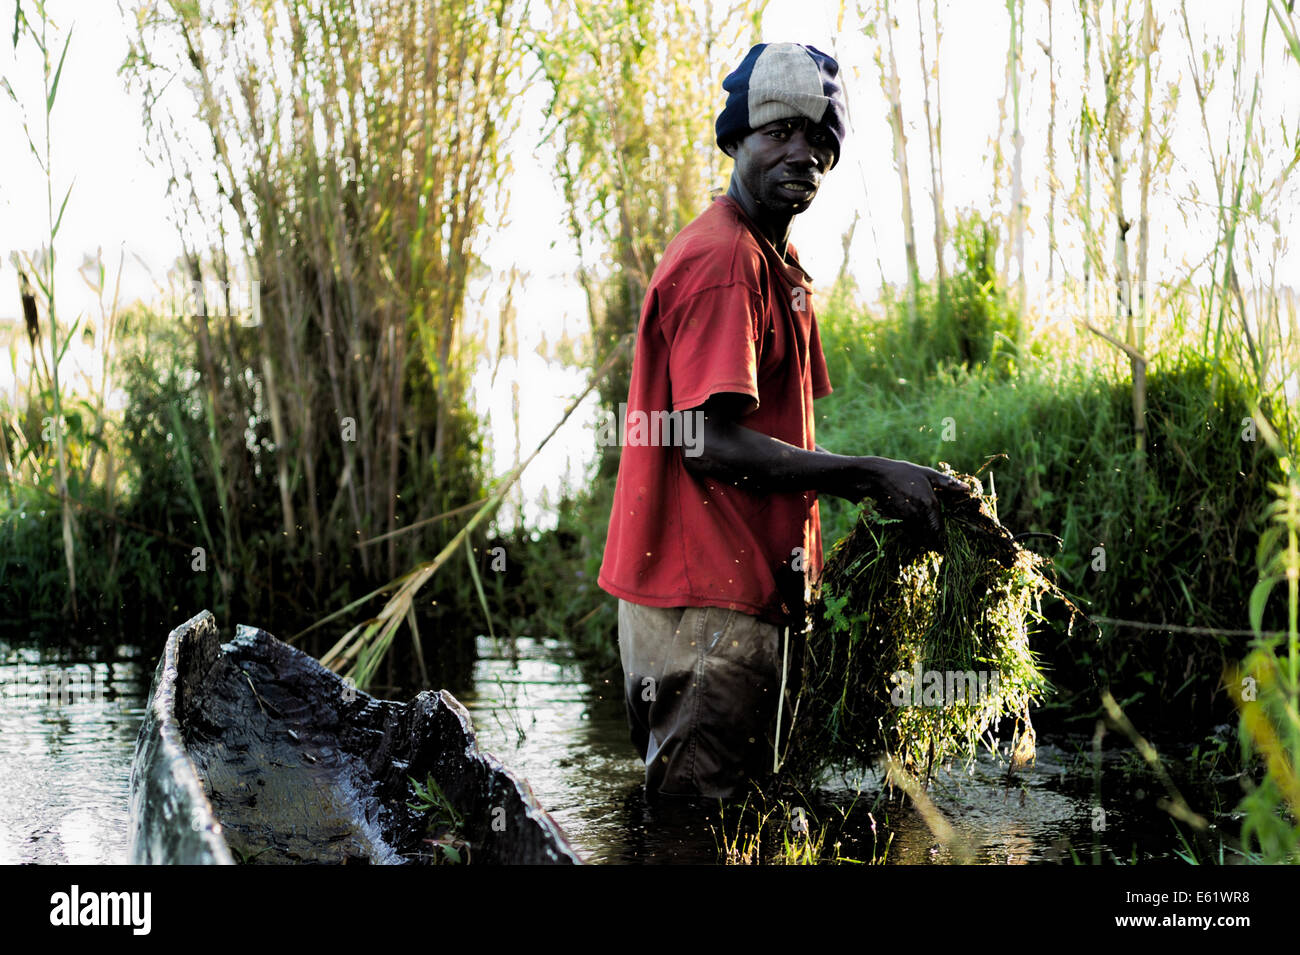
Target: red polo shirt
x=723 y=314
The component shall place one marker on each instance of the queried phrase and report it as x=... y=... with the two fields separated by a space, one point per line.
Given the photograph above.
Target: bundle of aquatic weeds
x=917 y=653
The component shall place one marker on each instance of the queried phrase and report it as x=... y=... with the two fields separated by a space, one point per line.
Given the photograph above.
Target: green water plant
x=918 y=653
x=446 y=825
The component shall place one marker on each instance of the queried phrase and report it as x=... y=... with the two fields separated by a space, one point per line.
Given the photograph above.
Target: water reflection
x=534 y=711
x=67 y=733
x=68 y=729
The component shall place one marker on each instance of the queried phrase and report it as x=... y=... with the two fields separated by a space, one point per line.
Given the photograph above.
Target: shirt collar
x=789 y=266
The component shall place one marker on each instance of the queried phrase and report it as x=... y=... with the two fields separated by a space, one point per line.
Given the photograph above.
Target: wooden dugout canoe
x=253 y=751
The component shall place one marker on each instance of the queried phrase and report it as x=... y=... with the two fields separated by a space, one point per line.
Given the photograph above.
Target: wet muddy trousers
x=701 y=686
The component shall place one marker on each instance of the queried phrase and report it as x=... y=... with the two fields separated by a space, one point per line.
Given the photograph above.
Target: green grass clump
x=917 y=653
x=446 y=825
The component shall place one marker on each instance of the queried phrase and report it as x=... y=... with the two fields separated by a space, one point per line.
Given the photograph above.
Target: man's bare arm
x=734 y=454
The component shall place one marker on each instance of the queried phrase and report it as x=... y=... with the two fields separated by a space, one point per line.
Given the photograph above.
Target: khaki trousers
x=701 y=687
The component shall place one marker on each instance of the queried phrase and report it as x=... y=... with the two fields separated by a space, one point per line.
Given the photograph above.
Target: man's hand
x=906 y=491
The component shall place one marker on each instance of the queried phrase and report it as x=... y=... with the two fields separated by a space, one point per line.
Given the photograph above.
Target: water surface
x=568 y=738
x=67 y=735
x=68 y=727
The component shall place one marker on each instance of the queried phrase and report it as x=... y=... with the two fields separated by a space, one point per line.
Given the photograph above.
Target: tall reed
x=43 y=271
x=359 y=154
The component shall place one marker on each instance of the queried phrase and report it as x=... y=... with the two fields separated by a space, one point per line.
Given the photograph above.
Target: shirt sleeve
x=711 y=346
x=821 y=379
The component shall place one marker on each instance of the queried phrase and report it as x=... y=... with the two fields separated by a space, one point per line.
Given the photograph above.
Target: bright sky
x=119 y=203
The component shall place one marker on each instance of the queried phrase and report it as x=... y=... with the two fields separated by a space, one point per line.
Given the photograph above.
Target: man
x=712 y=546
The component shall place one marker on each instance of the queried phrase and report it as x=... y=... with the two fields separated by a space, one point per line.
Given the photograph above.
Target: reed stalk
x=51 y=73
x=888 y=68
x=364 y=646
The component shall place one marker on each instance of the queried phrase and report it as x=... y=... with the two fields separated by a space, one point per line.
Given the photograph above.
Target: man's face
x=781 y=164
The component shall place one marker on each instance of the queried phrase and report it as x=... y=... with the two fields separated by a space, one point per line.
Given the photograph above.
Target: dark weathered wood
x=253 y=751
x=171 y=818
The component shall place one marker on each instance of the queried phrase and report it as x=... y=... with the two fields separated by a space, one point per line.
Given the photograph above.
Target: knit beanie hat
x=782 y=81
